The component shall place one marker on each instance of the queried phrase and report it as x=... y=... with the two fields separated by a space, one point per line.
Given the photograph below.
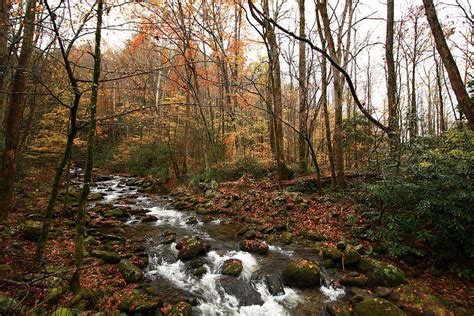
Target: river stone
x=94 y=196
x=376 y=307
x=274 y=285
x=255 y=246
x=351 y=255
x=180 y=309
x=338 y=309
x=9 y=305
x=354 y=279
x=115 y=213
x=232 y=267
x=149 y=218
x=130 y=272
x=32 y=230
x=106 y=256
x=250 y=234
x=381 y=273
x=245 y=293
x=190 y=248
x=301 y=273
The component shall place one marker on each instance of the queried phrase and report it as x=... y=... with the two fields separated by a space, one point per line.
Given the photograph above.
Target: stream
x=213 y=293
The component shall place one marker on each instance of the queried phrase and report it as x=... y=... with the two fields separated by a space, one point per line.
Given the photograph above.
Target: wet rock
x=287 y=237
x=94 y=196
x=358 y=295
x=195 y=263
x=32 y=230
x=254 y=246
x=115 y=213
x=376 y=307
x=381 y=273
x=332 y=253
x=243 y=291
x=9 y=305
x=149 y=218
x=274 y=284
x=328 y=263
x=351 y=256
x=106 y=256
x=192 y=220
x=250 y=234
x=198 y=272
x=354 y=279
x=129 y=271
x=232 y=267
x=301 y=273
x=169 y=239
x=192 y=248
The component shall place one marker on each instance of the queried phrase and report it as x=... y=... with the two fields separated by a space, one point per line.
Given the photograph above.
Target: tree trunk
x=5 y=27
x=14 y=116
x=392 y=100
x=303 y=93
x=464 y=101
x=81 y=208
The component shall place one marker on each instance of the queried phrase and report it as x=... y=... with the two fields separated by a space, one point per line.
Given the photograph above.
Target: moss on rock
x=380 y=273
x=301 y=273
x=232 y=267
x=377 y=307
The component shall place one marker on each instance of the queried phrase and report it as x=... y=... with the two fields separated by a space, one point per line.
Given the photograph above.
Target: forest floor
x=259 y=206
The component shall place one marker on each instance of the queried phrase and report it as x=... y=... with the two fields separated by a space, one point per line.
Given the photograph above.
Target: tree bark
x=464 y=101
x=303 y=92
x=14 y=116
x=81 y=208
x=392 y=99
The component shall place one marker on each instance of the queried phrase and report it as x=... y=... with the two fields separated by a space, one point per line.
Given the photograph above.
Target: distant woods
x=201 y=86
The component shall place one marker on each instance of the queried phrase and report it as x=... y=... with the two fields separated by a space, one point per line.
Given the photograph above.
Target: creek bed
x=212 y=293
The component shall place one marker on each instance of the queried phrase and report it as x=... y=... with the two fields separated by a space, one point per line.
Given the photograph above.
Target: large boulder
x=106 y=256
x=301 y=273
x=243 y=291
x=377 y=307
x=32 y=230
x=232 y=267
x=130 y=272
x=190 y=248
x=255 y=246
x=380 y=273
x=139 y=301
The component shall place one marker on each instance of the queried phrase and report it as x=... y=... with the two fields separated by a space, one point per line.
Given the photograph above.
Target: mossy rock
x=53 y=296
x=301 y=273
x=351 y=255
x=84 y=299
x=106 y=256
x=139 y=300
x=190 y=248
x=62 y=311
x=254 y=246
x=287 y=237
x=312 y=236
x=417 y=300
x=338 y=309
x=353 y=279
x=380 y=273
x=180 y=309
x=32 y=230
x=9 y=305
x=377 y=307
x=129 y=271
x=115 y=213
x=232 y=267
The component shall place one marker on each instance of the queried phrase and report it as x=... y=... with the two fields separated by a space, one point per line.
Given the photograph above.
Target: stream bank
x=135 y=238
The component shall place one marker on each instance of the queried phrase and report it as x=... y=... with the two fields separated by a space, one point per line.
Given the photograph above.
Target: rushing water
x=208 y=291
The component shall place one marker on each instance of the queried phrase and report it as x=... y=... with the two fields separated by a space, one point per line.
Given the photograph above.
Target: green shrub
x=431 y=201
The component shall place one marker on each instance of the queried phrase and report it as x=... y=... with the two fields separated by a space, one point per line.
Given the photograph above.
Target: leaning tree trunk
x=464 y=101
x=14 y=116
x=81 y=209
